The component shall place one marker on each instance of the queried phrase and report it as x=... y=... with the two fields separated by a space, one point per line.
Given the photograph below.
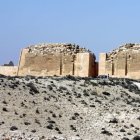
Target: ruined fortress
x=54 y=59
x=57 y=59
x=70 y=59
x=123 y=62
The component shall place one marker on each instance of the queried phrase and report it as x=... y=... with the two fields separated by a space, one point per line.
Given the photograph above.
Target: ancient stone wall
x=84 y=65
x=56 y=59
x=8 y=70
x=122 y=62
x=102 y=63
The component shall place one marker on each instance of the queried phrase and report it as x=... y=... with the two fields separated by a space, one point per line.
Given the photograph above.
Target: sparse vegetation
x=69 y=108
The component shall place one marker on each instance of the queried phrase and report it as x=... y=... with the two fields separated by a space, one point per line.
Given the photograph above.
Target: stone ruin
x=57 y=59
x=63 y=59
x=9 y=69
x=65 y=48
x=122 y=62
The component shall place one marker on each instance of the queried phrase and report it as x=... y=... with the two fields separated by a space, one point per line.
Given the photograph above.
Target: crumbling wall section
x=39 y=65
x=56 y=59
x=123 y=62
x=9 y=70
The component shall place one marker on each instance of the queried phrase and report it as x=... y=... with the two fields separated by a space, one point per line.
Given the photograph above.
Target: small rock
x=13 y=128
x=106 y=93
x=50 y=126
x=114 y=120
x=136 y=138
x=122 y=130
x=125 y=138
x=106 y=132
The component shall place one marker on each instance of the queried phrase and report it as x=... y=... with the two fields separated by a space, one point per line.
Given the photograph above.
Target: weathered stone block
x=8 y=70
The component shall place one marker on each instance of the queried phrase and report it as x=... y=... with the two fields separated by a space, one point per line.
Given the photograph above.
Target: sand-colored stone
x=8 y=70
x=57 y=59
x=102 y=60
x=67 y=65
x=85 y=65
x=38 y=65
x=82 y=64
x=123 y=62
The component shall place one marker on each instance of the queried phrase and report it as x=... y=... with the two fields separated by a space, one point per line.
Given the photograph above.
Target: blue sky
x=99 y=25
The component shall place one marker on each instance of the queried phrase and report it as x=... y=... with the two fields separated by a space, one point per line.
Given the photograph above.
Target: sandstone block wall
x=9 y=70
x=123 y=62
x=38 y=65
x=57 y=59
x=102 y=63
x=66 y=65
x=84 y=65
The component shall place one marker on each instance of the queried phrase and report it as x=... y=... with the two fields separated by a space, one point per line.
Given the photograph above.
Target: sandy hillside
x=68 y=108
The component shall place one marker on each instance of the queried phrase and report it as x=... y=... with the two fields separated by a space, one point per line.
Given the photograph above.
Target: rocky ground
x=129 y=47
x=66 y=48
x=68 y=108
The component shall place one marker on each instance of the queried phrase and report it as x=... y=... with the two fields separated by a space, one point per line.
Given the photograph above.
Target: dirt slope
x=69 y=108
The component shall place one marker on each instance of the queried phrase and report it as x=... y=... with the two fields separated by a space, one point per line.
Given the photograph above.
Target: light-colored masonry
x=123 y=62
x=54 y=59
x=69 y=59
